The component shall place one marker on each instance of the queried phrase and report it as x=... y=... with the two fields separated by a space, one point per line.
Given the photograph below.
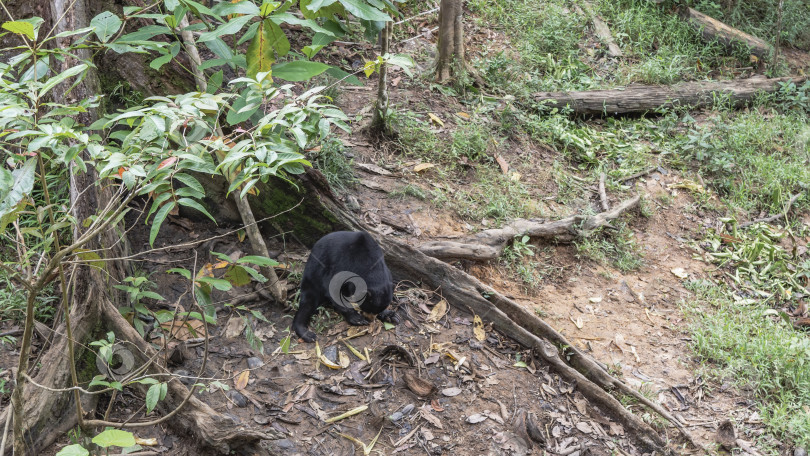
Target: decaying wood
x=603 y=200
x=463 y=290
x=711 y=29
x=489 y=244
x=602 y=31
x=646 y=98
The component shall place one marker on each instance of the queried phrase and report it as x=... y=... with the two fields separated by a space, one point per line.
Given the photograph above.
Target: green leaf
x=105 y=25
x=363 y=10
x=91 y=258
x=190 y=181
x=152 y=396
x=299 y=70
x=269 y=41
x=114 y=437
x=388 y=326
x=229 y=28
x=70 y=72
x=268 y=7
x=219 y=284
x=183 y=272
x=73 y=450
x=161 y=215
x=188 y=202
x=258 y=260
x=14 y=186
x=20 y=28
x=237 y=276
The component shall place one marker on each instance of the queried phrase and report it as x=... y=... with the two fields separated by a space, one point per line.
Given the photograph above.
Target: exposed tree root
x=488 y=245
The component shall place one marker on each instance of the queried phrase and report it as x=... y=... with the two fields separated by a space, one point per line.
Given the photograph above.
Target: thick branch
x=645 y=98
x=711 y=29
x=489 y=244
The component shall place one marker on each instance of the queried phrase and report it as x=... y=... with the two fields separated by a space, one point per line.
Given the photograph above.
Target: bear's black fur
x=347 y=262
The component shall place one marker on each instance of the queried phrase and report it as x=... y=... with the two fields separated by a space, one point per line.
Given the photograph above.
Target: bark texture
x=451 y=40
x=711 y=29
x=646 y=98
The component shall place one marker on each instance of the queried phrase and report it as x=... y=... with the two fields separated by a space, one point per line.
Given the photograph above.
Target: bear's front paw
x=389 y=316
x=355 y=319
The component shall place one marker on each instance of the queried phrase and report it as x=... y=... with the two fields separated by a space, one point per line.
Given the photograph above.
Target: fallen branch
x=713 y=30
x=646 y=98
x=602 y=30
x=637 y=175
x=488 y=245
x=773 y=218
x=602 y=195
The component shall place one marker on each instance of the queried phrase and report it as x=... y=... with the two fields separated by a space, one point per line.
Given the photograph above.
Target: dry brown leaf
x=146 y=442
x=180 y=331
x=584 y=427
x=478 y=329
x=343 y=359
x=436 y=406
x=435 y=119
x=438 y=311
x=680 y=273
x=234 y=327
x=476 y=418
x=423 y=166
x=451 y=392
x=241 y=380
x=419 y=386
x=515 y=176
x=430 y=418
x=578 y=322
x=502 y=163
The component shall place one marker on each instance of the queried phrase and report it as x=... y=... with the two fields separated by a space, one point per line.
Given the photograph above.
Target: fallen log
x=489 y=244
x=645 y=98
x=730 y=38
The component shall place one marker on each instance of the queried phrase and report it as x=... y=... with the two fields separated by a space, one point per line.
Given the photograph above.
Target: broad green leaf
x=14 y=186
x=152 y=396
x=219 y=284
x=105 y=25
x=114 y=437
x=231 y=27
x=316 y=5
x=70 y=72
x=237 y=276
x=20 y=28
x=161 y=215
x=73 y=450
x=299 y=70
x=270 y=41
x=363 y=10
x=258 y=260
x=91 y=258
x=188 y=202
x=268 y=7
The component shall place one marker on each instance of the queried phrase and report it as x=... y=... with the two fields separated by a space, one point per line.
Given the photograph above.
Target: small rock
x=331 y=353
x=285 y=444
x=261 y=419
x=352 y=203
x=799 y=451
x=238 y=398
x=254 y=362
x=396 y=416
x=407 y=409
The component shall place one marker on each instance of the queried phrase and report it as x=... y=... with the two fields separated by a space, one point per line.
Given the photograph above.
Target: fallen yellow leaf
x=423 y=166
x=438 y=311
x=478 y=329
x=435 y=119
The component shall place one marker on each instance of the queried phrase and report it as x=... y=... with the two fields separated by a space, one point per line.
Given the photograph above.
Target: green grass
x=331 y=160
x=617 y=248
x=760 y=18
x=492 y=196
x=739 y=341
x=755 y=160
x=13 y=302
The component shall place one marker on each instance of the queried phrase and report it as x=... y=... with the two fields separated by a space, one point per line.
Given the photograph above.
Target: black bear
x=346 y=270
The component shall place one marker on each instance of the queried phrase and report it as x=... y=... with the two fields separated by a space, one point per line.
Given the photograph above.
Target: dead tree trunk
x=645 y=98
x=451 y=41
x=711 y=29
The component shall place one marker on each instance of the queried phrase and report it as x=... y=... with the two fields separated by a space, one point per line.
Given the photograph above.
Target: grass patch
x=740 y=339
x=616 y=248
x=333 y=162
x=493 y=196
x=755 y=160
